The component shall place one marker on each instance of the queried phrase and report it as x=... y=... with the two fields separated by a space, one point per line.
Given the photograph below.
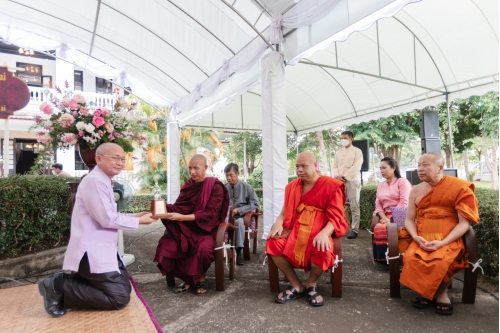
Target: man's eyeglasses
x=117 y=158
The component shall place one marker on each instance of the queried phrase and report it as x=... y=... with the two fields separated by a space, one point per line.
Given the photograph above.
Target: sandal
x=182 y=288
x=312 y=298
x=421 y=303
x=289 y=297
x=201 y=285
x=444 y=309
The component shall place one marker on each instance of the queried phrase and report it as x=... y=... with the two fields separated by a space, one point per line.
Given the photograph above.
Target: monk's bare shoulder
x=419 y=191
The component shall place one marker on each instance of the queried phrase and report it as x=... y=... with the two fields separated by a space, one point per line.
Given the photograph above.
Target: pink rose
x=79 y=98
x=66 y=120
x=104 y=112
x=117 y=135
x=42 y=140
x=109 y=127
x=84 y=111
x=73 y=105
x=46 y=108
x=80 y=133
x=69 y=138
x=75 y=114
x=97 y=112
x=98 y=121
x=111 y=137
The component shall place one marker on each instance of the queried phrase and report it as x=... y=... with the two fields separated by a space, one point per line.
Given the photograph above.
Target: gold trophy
x=158 y=205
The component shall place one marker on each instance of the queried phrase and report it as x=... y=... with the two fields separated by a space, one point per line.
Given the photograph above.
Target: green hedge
x=486 y=231
x=34 y=214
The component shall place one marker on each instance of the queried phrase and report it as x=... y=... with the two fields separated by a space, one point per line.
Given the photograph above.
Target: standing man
x=440 y=211
x=187 y=250
x=101 y=280
x=243 y=199
x=347 y=168
x=301 y=237
x=57 y=169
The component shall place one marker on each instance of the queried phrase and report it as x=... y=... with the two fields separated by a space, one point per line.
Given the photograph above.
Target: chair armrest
x=221 y=231
x=471 y=245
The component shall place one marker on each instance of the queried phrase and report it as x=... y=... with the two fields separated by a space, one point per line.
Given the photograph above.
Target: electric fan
x=124 y=194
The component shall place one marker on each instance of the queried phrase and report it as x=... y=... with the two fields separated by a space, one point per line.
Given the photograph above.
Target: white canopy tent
x=350 y=60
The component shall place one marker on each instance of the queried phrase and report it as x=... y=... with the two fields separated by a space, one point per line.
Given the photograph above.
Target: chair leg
x=219 y=270
x=274 y=282
x=170 y=280
x=231 y=253
x=392 y=236
x=246 y=246
x=470 y=278
x=255 y=243
x=336 y=276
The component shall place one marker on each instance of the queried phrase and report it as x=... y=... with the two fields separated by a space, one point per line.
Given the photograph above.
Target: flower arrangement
x=73 y=121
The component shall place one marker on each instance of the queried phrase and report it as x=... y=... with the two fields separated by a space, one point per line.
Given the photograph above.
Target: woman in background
x=393 y=192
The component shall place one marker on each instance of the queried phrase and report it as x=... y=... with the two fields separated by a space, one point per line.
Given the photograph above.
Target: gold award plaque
x=159 y=208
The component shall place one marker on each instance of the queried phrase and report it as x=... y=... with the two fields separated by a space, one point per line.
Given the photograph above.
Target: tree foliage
x=253 y=150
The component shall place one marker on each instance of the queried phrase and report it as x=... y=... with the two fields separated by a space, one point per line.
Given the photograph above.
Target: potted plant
x=71 y=121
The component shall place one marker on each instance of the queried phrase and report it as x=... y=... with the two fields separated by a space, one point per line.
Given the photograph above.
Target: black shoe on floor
x=51 y=300
x=352 y=234
x=239 y=260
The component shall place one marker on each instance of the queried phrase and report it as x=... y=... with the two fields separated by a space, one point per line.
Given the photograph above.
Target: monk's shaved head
x=438 y=158
x=307 y=156
x=199 y=158
x=305 y=167
x=198 y=166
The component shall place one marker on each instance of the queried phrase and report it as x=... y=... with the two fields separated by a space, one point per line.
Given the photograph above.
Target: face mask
x=344 y=142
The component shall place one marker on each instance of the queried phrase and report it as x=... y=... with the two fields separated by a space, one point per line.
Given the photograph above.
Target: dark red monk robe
x=187 y=251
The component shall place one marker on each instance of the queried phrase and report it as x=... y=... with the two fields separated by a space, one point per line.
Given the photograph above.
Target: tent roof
x=399 y=64
x=165 y=49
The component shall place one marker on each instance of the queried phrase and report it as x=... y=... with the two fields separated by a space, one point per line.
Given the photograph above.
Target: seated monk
x=440 y=211
x=187 y=250
x=301 y=237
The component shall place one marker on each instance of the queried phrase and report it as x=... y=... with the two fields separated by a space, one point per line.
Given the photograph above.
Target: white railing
x=40 y=95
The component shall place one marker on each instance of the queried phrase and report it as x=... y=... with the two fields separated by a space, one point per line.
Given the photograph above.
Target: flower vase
x=88 y=156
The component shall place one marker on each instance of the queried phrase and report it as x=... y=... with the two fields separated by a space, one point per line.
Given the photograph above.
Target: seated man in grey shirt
x=242 y=199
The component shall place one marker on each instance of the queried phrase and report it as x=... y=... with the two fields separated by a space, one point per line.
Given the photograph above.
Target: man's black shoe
x=239 y=260
x=51 y=300
x=352 y=234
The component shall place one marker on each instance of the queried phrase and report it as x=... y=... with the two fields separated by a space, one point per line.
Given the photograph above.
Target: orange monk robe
x=436 y=215
x=306 y=215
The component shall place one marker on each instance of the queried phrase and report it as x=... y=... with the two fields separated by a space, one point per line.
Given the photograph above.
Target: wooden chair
x=336 y=275
x=396 y=261
x=250 y=233
x=224 y=253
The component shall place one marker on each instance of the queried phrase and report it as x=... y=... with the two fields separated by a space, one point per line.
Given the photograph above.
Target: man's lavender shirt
x=94 y=225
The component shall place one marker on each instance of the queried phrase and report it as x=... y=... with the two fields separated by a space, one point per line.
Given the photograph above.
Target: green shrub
x=255 y=180
x=486 y=231
x=34 y=214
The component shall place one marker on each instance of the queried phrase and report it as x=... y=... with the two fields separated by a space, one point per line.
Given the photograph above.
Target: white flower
x=47 y=123
x=80 y=126
x=66 y=99
x=89 y=128
x=122 y=101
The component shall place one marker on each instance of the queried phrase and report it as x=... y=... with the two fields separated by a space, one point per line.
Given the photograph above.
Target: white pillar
x=173 y=169
x=273 y=137
x=6 y=155
x=65 y=71
x=67 y=158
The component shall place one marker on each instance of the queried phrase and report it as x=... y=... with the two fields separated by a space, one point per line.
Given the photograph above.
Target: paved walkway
x=247 y=304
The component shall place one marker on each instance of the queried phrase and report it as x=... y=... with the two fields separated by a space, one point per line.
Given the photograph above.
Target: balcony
x=40 y=95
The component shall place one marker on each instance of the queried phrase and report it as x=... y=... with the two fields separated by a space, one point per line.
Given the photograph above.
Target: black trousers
x=106 y=291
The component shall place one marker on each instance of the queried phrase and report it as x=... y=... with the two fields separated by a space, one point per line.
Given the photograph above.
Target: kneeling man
x=440 y=210
x=301 y=237
x=100 y=280
x=187 y=249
